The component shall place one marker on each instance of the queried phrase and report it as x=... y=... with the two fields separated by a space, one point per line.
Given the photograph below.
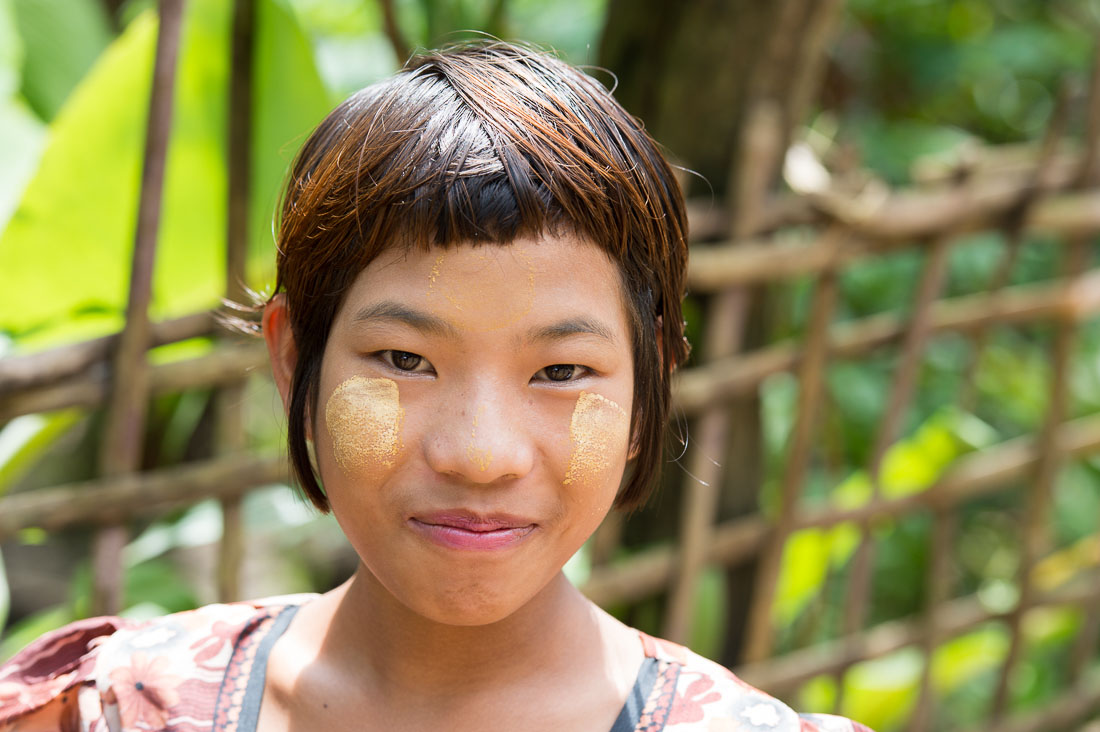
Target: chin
x=466 y=606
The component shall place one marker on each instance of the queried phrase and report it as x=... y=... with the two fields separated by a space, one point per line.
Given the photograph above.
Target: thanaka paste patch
x=364 y=419
x=598 y=430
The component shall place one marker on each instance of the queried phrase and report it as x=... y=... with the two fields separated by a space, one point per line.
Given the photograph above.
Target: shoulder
x=82 y=675
x=698 y=693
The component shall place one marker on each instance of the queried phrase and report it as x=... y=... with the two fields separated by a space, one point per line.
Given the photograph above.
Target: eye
x=405 y=361
x=559 y=372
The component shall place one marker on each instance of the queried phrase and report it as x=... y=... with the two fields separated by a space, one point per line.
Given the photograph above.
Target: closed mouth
x=470 y=531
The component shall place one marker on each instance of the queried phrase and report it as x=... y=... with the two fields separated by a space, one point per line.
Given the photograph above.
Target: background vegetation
x=908 y=83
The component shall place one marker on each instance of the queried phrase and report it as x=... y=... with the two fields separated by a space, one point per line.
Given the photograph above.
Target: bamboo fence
x=1055 y=192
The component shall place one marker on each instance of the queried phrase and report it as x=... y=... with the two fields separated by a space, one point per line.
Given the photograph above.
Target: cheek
x=598 y=435
x=364 y=417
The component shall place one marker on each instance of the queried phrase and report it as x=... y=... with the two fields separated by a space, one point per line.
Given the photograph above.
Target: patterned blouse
x=203 y=671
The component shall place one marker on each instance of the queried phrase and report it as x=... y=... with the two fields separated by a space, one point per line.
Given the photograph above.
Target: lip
x=470 y=531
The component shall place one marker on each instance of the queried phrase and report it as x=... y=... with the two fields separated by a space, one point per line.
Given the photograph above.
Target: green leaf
x=962 y=659
x=11 y=51
x=61 y=40
x=818 y=694
x=22 y=139
x=199 y=525
x=66 y=244
x=67 y=248
x=24 y=440
x=156 y=581
x=159 y=582
x=882 y=692
x=1051 y=626
x=802 y=573
x=910 y=466
x=290 y=100
x=22 y=134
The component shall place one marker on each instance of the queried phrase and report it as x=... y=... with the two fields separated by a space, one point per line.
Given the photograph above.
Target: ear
x=280 y=345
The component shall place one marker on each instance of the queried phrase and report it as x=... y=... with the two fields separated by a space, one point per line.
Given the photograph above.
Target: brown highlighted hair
x=484 y=143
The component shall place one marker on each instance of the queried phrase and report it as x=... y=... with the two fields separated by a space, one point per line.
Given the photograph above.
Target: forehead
x=493 y=287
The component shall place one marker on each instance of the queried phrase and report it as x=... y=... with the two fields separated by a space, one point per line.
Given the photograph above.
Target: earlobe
x=280 y=345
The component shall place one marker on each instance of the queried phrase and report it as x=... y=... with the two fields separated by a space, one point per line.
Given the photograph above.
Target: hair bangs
x=485 y=143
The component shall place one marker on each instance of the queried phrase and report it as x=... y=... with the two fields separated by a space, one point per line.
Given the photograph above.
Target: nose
x=481 y=440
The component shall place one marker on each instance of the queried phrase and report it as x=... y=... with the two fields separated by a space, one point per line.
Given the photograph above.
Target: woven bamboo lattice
x=815 y=236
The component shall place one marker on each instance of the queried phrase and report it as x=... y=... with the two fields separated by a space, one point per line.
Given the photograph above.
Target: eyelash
x=574 y=376
x=389 y=356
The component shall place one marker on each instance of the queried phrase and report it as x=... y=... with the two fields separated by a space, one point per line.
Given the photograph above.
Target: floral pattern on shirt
x=202 y=671
x=708 y=696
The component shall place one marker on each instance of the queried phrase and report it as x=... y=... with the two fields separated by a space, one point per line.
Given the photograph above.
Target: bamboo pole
x=918 y=215
x=771 y=259
x=122 y=498
x=704 y=474
x=945 y=523
x=1009 y=159
x=224 y=365
x=901 y=393
x=646 y=573
x=1051 y=458
x=1085 y=645
x=21 y=373
x=938 y=582
x=710 y=268
x=229 y=399
x=120 y=452
x=725 y=378
x=810 y=398
x=970 y=477
x=649 y=571
x=24 y=378
x=1004 y=163
x=782 y=674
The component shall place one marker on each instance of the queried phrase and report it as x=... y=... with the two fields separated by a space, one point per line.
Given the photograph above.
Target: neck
x=557 y=627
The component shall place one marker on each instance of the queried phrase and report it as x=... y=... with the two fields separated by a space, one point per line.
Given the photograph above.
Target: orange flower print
x=145 y=691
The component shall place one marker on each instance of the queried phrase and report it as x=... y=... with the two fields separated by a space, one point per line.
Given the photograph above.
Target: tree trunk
x=722 y=84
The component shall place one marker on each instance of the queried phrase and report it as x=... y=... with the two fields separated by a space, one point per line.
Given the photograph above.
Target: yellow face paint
x=481 y=457
x=451 y=299
x=598 y=430
x=364 y=418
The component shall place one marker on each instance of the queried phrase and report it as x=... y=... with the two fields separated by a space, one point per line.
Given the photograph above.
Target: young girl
x=480 y=269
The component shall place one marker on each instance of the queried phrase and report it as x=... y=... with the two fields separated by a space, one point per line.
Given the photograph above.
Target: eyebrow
x=395 y=311
x=435 y=325
x=571 y=327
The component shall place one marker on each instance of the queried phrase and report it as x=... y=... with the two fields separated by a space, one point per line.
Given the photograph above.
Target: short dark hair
x=484 y=143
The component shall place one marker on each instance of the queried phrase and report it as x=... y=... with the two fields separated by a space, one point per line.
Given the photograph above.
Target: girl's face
x=473 y=419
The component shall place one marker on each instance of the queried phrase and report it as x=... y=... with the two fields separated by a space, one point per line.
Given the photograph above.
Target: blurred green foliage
x=906 y=79
x=917 y=76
